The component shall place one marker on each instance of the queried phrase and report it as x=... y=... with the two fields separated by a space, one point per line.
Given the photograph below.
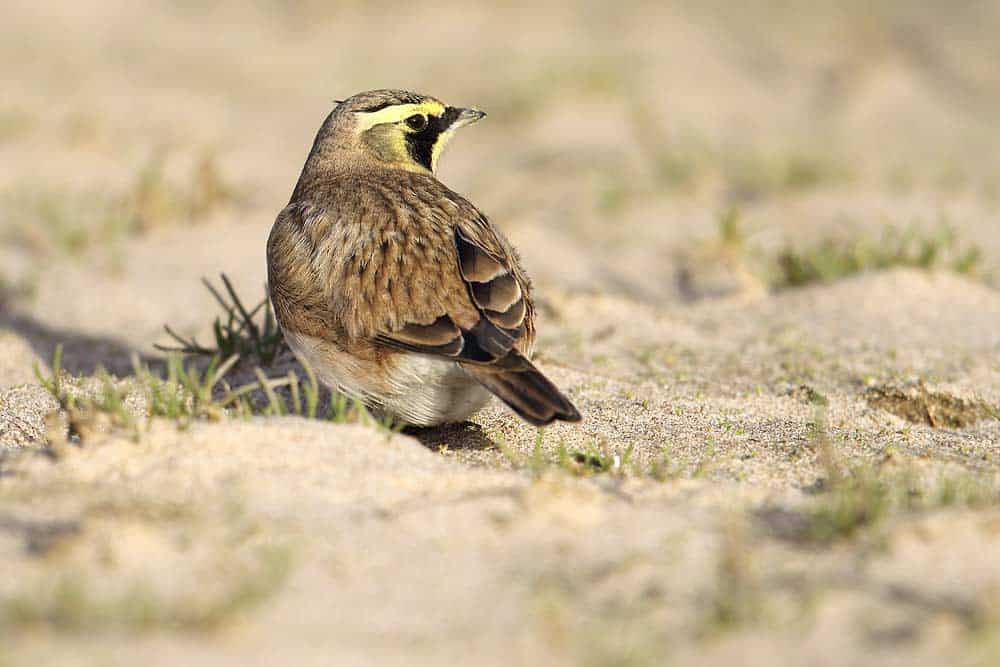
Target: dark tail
x=516 y=382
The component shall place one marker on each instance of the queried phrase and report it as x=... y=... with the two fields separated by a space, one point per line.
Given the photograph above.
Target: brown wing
x=488 y=350
x=495 y=291
x=492 y=283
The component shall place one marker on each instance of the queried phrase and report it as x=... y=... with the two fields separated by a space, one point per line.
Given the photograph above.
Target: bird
x=394 y=289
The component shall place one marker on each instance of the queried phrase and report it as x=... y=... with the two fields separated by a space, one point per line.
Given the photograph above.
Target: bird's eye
x=417 y=122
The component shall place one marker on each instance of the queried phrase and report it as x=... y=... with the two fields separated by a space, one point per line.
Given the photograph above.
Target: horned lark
x=395 y=289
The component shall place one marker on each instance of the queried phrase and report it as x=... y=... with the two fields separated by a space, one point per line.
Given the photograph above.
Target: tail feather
x=516 y=382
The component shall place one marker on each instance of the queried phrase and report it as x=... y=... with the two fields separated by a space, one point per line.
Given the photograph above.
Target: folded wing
x=488 y=350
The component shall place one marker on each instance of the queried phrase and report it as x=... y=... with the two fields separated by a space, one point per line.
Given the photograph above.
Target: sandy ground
x=141 y=149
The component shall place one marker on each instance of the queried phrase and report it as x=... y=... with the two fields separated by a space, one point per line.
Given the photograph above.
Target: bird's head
x=401 y=129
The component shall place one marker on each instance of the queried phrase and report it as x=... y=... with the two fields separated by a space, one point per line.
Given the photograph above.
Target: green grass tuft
x=592 y=460
x=832 y=259
x=189 y=391
x=237 y=331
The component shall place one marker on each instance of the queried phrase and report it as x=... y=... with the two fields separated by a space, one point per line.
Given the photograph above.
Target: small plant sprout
x=53 y=384
x=237 y=331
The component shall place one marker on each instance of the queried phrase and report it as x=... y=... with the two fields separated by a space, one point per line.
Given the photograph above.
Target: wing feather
x=441 y=337
x=497 y=295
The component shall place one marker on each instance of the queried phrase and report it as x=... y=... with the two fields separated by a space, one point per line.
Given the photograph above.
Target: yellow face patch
x=398 y=112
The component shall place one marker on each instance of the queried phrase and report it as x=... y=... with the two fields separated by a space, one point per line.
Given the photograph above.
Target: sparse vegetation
x=662 y=467
x=595 y=458
x=187 y=393
x=853 y=500
x=237 y=332
x=854 y=497
x=912 y=246
x=833 y=258
x=863 y=497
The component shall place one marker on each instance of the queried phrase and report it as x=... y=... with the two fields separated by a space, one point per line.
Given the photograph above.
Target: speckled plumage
x=393 y=287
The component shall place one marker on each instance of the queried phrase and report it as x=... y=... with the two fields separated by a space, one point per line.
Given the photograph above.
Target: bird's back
x=365 y=255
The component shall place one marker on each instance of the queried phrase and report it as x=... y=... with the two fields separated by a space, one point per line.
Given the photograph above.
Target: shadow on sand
x=466 y=436
x=82 y=353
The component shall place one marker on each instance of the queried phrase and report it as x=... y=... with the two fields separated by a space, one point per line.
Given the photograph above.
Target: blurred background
x=656 y=151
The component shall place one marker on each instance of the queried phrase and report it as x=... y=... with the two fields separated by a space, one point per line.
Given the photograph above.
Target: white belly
x=418 y=389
